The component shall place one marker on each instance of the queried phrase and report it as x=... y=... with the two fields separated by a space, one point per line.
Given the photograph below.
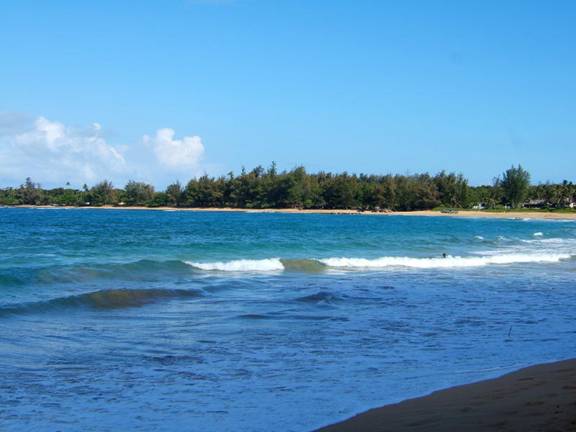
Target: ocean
x=190 y=321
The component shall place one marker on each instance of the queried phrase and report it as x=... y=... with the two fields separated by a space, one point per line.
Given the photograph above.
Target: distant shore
x=533 y=399
x=511 y=214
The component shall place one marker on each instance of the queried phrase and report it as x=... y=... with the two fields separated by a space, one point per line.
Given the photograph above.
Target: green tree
x=515 y=184
x=175 y=194
x=30 y=193
x=138 y=193
x=102 y=193
x=65 y=197
x=453 y=190
x=204 y=192
x=341 y=191
x=160 y=199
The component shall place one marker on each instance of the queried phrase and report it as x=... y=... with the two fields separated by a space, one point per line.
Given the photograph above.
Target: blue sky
x=160 y=91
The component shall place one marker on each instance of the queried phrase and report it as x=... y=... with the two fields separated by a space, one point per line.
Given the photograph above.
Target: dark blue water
x=144 y=320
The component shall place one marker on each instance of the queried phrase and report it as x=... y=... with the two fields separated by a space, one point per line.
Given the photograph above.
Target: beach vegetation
x=297 y=189
x=174 y=194
x=102 y=193
x=138 y=193
x=515 y=184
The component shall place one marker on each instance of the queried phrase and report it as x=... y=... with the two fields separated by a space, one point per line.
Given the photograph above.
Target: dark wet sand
x=538 y=398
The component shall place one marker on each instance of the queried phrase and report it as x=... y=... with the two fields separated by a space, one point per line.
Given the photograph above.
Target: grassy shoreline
x=505 y=214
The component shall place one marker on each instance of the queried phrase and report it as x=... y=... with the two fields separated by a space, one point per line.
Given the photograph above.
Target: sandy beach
x=488 y=214
x=432 y=213
x=537 y=398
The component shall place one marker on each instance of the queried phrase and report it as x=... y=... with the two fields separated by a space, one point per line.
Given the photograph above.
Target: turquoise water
x=161 y=321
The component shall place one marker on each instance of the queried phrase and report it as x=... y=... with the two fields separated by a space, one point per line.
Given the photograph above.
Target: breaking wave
x=261 y=265
x=448 y=262
x=242 y=265
x=316 y=265
x=154 y=271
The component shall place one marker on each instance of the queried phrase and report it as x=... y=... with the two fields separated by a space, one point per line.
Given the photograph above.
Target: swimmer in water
x=444 y=255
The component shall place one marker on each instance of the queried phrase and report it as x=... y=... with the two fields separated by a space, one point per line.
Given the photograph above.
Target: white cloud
x=178 y=154
x=53 y=153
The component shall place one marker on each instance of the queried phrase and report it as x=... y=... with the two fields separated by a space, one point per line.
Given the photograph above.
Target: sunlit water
x=161 y=321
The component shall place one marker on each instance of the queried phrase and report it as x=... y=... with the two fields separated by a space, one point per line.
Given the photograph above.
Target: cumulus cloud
x=178 y=154
x=53 y=153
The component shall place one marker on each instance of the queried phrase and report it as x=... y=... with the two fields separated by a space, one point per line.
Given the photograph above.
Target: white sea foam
x=555 y=240
x=242 y=265
x=479 y=237
x=448 y=262
x=275 y=264
x=538 y=234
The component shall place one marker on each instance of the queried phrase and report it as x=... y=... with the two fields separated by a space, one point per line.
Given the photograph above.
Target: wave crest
x=102 y=300
x=448 y=262
x=241 y=265
x=318 y=265
x=261 y=265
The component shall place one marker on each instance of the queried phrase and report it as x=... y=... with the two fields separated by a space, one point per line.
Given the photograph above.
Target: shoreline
x=536 y=398
x=430 y=213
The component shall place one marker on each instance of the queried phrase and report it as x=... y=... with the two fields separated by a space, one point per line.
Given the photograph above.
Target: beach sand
x=489 y=214
x=433 y=213
x=538 y=398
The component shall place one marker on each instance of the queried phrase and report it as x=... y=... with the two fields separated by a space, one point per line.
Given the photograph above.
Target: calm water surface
x=162 y=321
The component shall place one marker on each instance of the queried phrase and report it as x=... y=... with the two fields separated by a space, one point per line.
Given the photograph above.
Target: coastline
x=536 y=398
x=431 y=213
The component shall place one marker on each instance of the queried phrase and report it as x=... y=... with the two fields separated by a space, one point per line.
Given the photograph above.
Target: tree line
x=269 y=188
